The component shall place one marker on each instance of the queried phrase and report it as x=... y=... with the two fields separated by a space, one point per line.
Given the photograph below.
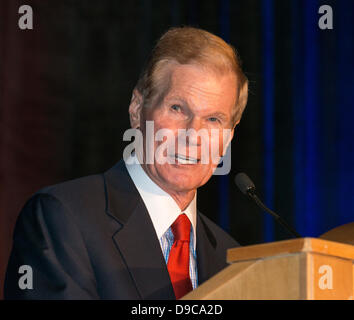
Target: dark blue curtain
x=307 y=115
x=320 y=106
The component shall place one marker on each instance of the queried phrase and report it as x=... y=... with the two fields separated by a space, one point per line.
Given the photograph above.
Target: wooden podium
x=305 y=268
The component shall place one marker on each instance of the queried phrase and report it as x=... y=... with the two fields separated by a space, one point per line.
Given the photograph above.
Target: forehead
x=201 y=86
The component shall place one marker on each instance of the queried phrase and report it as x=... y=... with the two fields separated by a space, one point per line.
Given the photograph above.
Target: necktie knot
x=181 y=228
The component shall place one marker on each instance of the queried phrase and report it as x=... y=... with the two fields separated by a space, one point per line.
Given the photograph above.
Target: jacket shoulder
x=74 y=188
x=81 y=198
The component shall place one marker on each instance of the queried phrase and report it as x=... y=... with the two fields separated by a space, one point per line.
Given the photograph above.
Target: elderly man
x=134 y=232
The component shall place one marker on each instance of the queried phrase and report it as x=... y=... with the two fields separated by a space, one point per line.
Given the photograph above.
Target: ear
x=234 y=126
x=231 y=136
x=135 y=107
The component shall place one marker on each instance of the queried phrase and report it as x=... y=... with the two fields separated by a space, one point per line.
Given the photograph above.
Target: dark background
x=65 y=87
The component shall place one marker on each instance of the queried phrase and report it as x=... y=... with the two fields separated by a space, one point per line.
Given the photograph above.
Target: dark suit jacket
x=92 y=238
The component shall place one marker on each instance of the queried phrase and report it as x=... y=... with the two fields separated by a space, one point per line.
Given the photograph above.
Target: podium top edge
x=293 y=246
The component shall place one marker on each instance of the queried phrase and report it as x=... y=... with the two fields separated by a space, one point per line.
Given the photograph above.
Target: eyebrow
x=177 y=98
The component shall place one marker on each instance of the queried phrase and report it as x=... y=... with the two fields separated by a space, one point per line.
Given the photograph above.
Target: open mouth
x=185 y=160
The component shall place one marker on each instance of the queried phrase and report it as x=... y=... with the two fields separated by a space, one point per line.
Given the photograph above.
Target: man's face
x=196 y=99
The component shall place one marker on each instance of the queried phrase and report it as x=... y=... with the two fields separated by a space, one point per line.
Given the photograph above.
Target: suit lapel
x=135 y=236
x=209 y=261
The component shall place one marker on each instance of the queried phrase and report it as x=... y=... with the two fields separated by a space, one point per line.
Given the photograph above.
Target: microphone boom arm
x=260 y=204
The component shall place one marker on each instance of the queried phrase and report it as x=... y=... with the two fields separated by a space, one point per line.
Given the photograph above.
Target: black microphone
x=245 y=184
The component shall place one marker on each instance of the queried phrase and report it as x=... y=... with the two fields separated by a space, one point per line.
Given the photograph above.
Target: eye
x=176 y=107
x=213 y=119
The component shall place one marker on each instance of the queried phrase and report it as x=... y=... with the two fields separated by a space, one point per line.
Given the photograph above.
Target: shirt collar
x=162 y=208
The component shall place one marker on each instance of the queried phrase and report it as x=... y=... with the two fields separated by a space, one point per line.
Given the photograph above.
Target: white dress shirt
x=163 y=211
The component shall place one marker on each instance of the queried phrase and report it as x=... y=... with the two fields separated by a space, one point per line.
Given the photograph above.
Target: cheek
x=156 y=121
x=162 y=123
x=224 y=140
x=216 y=143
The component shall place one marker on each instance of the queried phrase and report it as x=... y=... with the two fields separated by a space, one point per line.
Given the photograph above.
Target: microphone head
x=244 y=183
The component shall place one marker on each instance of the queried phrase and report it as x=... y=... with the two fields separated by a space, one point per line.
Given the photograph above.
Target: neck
x=183 y=199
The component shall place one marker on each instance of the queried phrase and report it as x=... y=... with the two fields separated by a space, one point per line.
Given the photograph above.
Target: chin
x=183 y=186
x=185 y=181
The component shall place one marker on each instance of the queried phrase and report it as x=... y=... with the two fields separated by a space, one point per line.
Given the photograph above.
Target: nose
x=194 y=123
x=193 y=133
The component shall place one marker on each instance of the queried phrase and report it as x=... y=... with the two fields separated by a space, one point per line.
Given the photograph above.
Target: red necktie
x=178 y=260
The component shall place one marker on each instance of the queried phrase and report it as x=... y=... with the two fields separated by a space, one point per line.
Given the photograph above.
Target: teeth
x=184 y=160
